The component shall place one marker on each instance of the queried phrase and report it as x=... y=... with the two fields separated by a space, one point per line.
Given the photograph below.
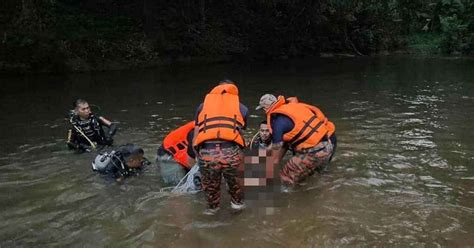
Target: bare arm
x=105 y=121
x=278 y=151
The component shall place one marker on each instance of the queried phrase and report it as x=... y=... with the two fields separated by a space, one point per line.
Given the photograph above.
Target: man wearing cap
x=304 y=129
x=218 y=139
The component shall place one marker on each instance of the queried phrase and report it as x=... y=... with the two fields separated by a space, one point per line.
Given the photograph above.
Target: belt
x=317 y=148
x=221 y=144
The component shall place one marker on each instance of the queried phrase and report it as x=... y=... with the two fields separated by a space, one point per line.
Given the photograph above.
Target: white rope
x=251 y=141
x=186 y=184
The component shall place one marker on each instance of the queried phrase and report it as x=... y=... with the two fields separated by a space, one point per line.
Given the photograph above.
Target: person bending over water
x=175 y=157
x=304 y=129
x=218 y=140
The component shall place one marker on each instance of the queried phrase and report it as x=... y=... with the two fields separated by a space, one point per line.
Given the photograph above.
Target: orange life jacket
x=310 y=123
x=220 y=117
x=177 y=144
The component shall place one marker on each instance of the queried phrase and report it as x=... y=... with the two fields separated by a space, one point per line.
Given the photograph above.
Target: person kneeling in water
x=303 y=128
x=176 y=156
x=87 y=130
x=123 y=162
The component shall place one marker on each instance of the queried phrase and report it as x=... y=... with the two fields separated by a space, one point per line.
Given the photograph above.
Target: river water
x=403 y=174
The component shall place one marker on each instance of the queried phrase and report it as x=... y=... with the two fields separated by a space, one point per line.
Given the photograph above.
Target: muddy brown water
x=403 y=174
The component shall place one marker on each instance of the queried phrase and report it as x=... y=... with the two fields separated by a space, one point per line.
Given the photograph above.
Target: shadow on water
x=402 y=175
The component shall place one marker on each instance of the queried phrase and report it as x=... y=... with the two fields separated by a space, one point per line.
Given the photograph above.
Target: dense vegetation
x=46 y=35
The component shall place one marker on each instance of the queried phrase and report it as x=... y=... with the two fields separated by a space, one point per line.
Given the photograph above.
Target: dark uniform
x=93 y=128
x=113 y=164
x=258 y=143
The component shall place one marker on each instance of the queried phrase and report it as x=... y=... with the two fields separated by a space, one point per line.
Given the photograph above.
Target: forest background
x=86 y=35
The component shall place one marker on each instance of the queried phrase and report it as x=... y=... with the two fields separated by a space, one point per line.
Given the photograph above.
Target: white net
x=187 y=184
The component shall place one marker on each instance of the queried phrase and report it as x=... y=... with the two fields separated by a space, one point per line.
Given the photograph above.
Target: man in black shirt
x=86 y=130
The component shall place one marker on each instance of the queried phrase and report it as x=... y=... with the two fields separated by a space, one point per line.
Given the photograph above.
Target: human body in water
x=86 y=131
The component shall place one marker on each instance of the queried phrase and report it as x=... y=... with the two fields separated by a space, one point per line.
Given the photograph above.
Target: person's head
x=225 y=86
x=135 y=161
x=226 y=81
x=133 y=155
x=82 y=108
x=264 y=131
x=266 y=101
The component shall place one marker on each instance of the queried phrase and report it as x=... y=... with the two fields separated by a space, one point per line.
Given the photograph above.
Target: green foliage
x=76 y=24
x=424 y=43
x=457 y=26
x=45 y=35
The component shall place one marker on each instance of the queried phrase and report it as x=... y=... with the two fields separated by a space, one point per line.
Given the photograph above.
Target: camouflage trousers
x=305 y=163
x=216 y=161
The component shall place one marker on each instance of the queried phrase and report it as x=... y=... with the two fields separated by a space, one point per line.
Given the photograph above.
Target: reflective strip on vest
x=310 y=126
x=176 y=144
x=220 y=119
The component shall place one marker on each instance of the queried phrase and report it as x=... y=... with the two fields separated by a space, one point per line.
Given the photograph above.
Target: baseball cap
x=266 y=101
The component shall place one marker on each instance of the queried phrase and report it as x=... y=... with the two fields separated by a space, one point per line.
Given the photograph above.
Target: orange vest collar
x=280 y=101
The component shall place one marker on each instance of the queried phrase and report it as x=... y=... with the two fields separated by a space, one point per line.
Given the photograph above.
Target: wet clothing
x=190 y=150
x=258 y=143
x=217 y=160
x=114 y=163
x=93 y=128
x=219 y=142
x=220 y=117
x=243 y=111
x=310 y=125
x=305 y=163
x=178 y=144
x=173 y=154
x=280 y=124
x=171 y=171
x=304 y=129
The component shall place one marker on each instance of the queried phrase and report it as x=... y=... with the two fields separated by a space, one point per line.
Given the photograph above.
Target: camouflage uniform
x=304 y=163
x=215 y=161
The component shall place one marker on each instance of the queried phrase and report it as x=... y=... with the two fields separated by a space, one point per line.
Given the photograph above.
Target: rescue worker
x=263 y=139
x=176 y=155
x=219 y=141
x=87 y=130
x=304 y=129
x=125 y=161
